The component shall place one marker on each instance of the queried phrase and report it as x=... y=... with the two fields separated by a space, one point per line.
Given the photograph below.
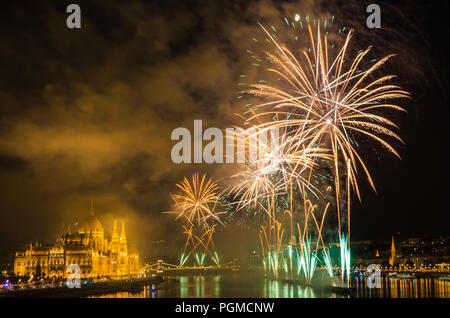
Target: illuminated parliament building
x=88 y=248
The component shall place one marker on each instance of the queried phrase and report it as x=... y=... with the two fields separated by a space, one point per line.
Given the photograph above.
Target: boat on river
x=445 y=278
x=405 y=276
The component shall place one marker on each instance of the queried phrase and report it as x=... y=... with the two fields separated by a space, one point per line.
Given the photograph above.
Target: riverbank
x=90 y=289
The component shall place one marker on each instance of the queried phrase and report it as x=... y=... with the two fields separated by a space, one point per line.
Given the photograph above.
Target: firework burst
x=324 y=100
x=197 y=200
x=196 y=204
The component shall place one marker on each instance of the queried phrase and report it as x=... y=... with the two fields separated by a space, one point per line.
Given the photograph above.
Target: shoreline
x=85 y=290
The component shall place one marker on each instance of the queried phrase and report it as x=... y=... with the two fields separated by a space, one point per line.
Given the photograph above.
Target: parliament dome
x=92 y=225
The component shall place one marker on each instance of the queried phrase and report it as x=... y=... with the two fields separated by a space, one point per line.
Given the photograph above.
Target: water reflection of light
x=217 y=286
x=404 y=288
x=242 y=285
x=184 y=286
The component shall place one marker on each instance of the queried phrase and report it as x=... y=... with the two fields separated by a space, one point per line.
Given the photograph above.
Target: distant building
x=413 y=240
x=88 y=248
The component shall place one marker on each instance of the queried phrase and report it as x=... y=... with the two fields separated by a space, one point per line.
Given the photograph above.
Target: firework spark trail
x=327 y=260
x=254 y=186
x=197 y=201
x=196 y=204
x=327 y=113
x=275 y=169
x=345 y=257
x=325 y=102
x=273 y=173
x=320 y=103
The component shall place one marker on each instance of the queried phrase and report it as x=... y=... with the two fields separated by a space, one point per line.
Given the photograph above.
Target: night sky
x=86 y=114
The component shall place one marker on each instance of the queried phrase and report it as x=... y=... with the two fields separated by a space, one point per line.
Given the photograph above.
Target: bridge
x=161 y=267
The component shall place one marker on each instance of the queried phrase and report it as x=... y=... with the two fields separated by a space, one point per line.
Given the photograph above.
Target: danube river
x=253 y=284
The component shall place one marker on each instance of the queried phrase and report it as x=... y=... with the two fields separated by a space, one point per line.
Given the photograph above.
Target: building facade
x=96 y=256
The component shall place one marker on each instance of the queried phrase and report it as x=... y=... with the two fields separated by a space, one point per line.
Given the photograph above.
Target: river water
x=253 y=284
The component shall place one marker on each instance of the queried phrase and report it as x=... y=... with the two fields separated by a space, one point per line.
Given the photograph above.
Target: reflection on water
x=404 y=288
x=253 y=284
